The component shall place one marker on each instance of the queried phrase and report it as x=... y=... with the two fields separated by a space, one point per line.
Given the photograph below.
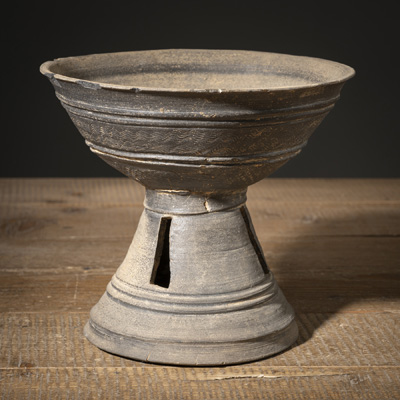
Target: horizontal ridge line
x=202 y=160
x=219 y=118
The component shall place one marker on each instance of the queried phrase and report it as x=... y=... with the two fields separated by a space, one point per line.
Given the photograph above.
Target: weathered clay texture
x=196 y=128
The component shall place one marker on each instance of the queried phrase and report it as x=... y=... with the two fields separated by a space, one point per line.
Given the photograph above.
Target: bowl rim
x=45 y=69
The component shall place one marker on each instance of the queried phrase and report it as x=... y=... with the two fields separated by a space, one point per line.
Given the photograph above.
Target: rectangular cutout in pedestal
x=161 y=274
x=253 y=239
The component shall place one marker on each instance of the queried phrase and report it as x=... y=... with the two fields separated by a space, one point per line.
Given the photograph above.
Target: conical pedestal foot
x=194 y=288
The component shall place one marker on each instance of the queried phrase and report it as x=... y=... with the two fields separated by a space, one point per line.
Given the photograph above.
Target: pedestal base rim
x=192 y=353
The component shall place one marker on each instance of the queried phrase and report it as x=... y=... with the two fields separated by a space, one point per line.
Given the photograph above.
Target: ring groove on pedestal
x=132 y=296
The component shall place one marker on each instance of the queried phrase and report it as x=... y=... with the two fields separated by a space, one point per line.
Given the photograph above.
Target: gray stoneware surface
x=196 y=128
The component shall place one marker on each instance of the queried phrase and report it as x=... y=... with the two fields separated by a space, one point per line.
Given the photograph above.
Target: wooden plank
x=270 y=220
x=309 y=286
x=184 y=383
x=52 y=340
x=122 y=190
x=333 y=245
x=42 y=211
x=60 y=191
x=327 y=190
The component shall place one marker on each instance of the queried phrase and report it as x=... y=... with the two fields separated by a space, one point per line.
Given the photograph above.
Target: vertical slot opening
x=253 y=239
x=161 y=274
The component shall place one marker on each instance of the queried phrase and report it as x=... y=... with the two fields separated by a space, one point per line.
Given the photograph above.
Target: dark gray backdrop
x=359 y=138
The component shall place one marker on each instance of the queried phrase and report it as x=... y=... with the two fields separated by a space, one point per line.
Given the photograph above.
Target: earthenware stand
x=195 y=128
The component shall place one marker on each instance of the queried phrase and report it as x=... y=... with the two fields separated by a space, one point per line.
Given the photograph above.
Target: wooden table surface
x=333 y=246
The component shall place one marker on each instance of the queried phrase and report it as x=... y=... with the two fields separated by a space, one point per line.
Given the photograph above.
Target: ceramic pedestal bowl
x=196 y=128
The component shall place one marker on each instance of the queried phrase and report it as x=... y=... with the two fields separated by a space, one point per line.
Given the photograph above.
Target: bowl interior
x=199 y=70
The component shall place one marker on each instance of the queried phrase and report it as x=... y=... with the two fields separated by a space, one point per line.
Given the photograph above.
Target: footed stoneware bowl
x=196 y=128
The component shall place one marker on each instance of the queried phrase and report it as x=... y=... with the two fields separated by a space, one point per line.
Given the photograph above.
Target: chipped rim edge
x=45 y=67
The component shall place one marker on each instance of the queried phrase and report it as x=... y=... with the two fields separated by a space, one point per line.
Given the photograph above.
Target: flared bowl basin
x=196 y=120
